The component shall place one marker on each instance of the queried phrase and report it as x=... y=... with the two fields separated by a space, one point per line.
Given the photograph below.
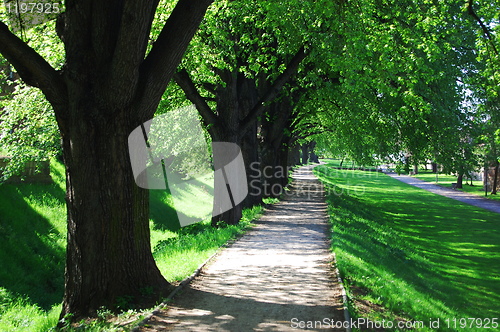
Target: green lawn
x=446 y=180
x=32 y=250
x=419 y=255
x=347 y=163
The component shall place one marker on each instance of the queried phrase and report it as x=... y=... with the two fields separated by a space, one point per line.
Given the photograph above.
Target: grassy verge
x=410 y=255
x=32 y=252
x=446 y=180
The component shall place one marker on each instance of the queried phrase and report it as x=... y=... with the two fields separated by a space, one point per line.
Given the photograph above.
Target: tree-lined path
x=458 y=195
x=277 y=275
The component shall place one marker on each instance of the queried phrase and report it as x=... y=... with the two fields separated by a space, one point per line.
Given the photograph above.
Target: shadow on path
x=278 y=275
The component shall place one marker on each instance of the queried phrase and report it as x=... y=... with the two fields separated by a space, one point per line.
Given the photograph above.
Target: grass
x=446 y=180
x=32 y=251
x=348 y=163
x=417 y=255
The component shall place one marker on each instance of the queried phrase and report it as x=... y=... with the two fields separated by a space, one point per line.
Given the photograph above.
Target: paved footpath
x=277 y=277
x=461 y=196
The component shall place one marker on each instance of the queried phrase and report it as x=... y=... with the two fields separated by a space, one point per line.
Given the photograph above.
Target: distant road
x=461 y=196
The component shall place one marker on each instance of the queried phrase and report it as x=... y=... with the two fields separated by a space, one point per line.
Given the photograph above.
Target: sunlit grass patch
x=420 y=255
x=21 y=315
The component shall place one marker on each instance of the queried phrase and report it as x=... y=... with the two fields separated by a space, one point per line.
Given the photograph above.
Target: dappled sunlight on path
x=274 y=277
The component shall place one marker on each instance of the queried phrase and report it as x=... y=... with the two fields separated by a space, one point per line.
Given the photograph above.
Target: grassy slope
x=418 y=254
x=32 y=249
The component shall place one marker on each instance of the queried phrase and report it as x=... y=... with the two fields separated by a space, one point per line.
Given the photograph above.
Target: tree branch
x=274 y=90
x=160 y=64
x=129 y=49
x=33 y=68
x=485 y=29
x=183 y=79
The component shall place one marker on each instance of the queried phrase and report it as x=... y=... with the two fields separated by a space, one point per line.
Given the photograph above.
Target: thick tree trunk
x=283 y=162
x=249 y=148
x=294 y=155
x=108 y=251
x=273 y=154
x=312 y=155
x=305 y=153
x=108 y=86
x=226 y=130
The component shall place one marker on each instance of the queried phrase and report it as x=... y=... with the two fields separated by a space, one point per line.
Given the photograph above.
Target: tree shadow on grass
x=427 y=261
x=163 y=213
x=32 y=252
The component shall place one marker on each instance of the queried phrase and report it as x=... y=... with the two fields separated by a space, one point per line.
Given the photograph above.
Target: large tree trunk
x=107 y=87
x=226 y=130
x=305 y=153
x=294 y=154
x=249 y=148
x=108 y=250
x=274 y=159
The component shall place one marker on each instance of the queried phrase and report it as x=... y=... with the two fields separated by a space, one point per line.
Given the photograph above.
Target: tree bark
x=495 y=179
x=293 y=154
x=305 y=153
x=108 y=87
x=237 y=110
x=108 y=251
x=273 y=158
x=460 y=179
x=434 y=167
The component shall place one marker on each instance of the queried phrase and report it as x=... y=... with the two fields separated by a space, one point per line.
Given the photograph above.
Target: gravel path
x=455 y=194
x=275 y=278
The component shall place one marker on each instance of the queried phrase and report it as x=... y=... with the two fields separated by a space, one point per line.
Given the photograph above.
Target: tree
x=399 y=71
x=487 y=88
x=109 y=85
x=28 y=129
x=240 y=64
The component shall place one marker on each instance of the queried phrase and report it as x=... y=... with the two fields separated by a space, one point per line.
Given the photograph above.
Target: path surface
x=455 y=194
x=274 y=277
